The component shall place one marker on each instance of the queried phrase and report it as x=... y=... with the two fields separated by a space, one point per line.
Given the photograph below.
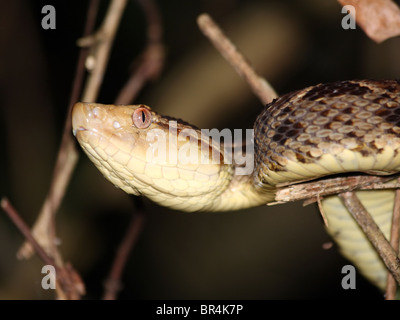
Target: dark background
x=260 y=253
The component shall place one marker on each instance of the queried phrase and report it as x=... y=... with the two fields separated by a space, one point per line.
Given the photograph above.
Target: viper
x=328 y=129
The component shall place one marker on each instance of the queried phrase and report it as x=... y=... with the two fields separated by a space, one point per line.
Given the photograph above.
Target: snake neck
x=241 y=193
x=245 y=189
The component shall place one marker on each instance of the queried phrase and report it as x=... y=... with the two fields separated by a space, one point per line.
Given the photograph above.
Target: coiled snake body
x=347 y=126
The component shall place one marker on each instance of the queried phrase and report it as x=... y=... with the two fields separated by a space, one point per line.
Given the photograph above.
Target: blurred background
x=260 y=253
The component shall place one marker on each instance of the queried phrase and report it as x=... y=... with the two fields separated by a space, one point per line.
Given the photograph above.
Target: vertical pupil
x=143 y=117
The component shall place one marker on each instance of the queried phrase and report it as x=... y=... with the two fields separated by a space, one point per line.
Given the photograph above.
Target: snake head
x=144 y=153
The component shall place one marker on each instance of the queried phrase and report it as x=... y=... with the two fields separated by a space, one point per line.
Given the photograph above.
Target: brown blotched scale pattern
x=312 y=129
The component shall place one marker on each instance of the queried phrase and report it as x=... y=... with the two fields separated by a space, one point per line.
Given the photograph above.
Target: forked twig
x=44 y=230
x=148 y=69
x=70 y=285
x=25 y=230
x=312 y=191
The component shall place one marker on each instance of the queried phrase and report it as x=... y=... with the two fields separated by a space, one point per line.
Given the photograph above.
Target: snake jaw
x=75 y=131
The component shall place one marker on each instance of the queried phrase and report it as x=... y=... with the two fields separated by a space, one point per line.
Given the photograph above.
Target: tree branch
x=391 y=286
x=260 y=87
x=152 y=59
x=70 y=285
x=310 y=191
x=102 y=42
x=113 y=284
x=44 y=228
x=68 y=155
x=150 y=66
x=373 y=233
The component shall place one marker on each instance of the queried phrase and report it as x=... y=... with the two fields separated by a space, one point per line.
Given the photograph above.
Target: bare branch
x=104 y=39
x=391 y=286
x=322 y=211
x=152 y=59
x=310 y=191
x=44 y=228
x=373 y=233
x=150 y=66
x=112 y=284
x=25 y=230
x=260 y=87
x=70 y=285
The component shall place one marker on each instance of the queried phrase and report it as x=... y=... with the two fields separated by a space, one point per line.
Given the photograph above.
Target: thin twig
x=44 y=227
x=373 y=233
x=149 y=69
x=70 y=285
x=260 y=87
x=322 y=211
x=391 y=286
x=104 y=39
x=25 y=230
x=310 y=191
x=152 y=59
x=150 y=66
x=113 y=284
x=68 y=155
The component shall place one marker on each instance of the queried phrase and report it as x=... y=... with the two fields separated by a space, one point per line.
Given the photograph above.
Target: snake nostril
x=96 y=111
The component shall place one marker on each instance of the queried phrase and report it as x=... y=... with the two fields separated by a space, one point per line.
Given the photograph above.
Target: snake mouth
x=75 y=131
x=78 y=118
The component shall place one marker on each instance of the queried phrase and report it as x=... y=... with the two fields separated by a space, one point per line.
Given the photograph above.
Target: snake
x=328 y=129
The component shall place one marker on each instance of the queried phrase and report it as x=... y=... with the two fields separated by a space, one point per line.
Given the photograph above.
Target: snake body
x=322 y=130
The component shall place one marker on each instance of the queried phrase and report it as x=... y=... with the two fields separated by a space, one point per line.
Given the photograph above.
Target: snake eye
x=141 y=118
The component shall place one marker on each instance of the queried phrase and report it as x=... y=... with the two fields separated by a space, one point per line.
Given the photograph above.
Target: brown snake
x=327 y=129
